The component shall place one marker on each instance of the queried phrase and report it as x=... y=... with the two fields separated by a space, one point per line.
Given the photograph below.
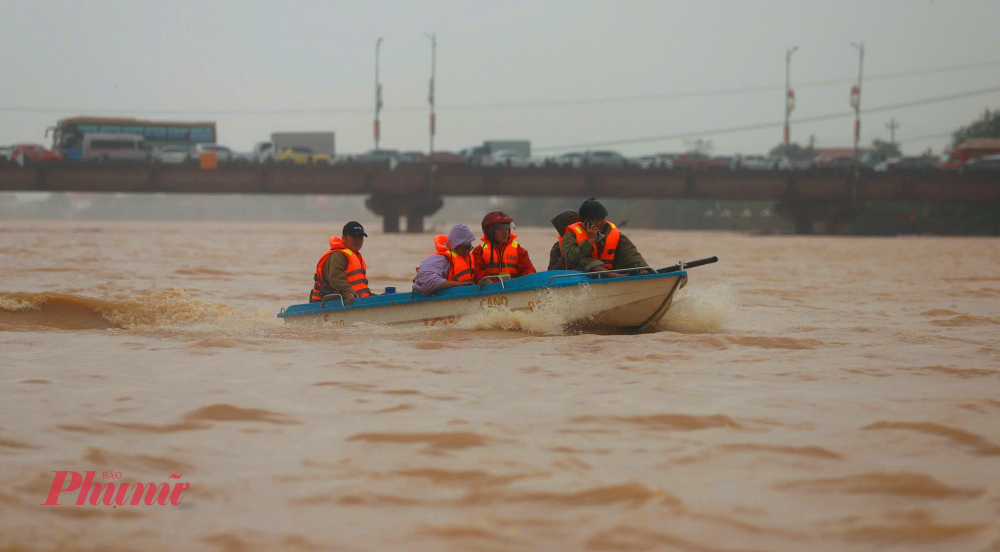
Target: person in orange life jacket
x=450 y=266
x=596 y=245
x=500 y=253
x=561 y=221
x=342 y=269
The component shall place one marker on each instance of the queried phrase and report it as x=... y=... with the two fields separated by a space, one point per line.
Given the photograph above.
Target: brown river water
x=805 y=393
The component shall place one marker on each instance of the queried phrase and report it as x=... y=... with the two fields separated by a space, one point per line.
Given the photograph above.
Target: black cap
x=592 y=209
x=354 y=228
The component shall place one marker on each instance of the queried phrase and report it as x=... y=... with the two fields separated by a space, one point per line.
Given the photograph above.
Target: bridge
x=416 y=191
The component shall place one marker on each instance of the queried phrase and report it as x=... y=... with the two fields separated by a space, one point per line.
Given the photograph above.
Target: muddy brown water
x=805 y=393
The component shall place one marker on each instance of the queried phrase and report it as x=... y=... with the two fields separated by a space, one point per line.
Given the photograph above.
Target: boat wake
x=709 y=310
x=166 y=310
x=548 y=317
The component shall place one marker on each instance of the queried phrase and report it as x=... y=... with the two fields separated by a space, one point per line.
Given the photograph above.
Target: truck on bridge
x=972 y=148
x=475 y=154
x=318 y=142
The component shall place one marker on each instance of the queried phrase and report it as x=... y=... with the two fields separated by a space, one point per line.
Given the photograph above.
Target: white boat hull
x=632 y=302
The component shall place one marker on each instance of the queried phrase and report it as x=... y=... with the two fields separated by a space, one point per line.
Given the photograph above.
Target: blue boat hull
x=625 y=302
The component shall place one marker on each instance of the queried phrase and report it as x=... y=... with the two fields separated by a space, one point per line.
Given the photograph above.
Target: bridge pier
x=414 y=208
x=819 y=217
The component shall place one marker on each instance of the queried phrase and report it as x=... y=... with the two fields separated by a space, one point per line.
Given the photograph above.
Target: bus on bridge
x=67 y=135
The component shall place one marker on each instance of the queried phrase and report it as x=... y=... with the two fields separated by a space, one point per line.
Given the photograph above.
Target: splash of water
x=171 y=309
x=709 y=310
x=548 y=317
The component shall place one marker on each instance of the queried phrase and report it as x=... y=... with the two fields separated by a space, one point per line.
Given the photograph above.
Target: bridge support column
x=414 y=208
x=819 y=217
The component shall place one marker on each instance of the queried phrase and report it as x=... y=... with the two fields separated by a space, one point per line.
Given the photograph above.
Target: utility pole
x=430 y=96
x=789 y=94
x=892 y=125
x=378 y=94
x=856 y=97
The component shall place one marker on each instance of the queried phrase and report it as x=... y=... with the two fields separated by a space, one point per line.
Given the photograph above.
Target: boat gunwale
x=405 y=298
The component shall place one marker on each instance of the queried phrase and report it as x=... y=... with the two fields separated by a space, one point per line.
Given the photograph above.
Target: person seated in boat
x=561 y=221
x=500 y=253
x=451 y=265
x=595 y=245
x=346 y=272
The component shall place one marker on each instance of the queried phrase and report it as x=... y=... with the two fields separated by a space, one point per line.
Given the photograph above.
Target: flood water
x=805 y=393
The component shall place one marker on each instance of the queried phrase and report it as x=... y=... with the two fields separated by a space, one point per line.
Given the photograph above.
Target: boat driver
x=500 y=253
x=596 y=245
x=346 y=273
x=450 y=266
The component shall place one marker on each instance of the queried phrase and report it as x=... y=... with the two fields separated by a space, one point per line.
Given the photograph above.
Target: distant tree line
x=987 y=126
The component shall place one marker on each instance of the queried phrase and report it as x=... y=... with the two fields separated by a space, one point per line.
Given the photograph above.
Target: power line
x=771 y=125
x=926 y=138
x=504 y=105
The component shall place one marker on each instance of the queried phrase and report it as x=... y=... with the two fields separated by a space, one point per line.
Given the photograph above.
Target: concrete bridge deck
x=415 y=191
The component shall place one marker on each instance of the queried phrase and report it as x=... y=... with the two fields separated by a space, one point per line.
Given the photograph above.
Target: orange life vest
x=506 y=262
x=461 y=265
x=357 y=272
x=607 y=252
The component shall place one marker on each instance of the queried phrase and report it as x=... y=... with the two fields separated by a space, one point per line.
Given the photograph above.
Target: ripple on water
x=813 y=451
x=916 y=526
x=664 y=422
x=435 y=441
x=978 y=443
x=907 y=484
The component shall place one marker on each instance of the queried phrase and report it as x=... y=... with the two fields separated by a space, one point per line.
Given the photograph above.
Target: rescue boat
x=629 y=301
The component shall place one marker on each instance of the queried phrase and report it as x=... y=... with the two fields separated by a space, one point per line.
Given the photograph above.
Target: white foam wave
x=708 y=310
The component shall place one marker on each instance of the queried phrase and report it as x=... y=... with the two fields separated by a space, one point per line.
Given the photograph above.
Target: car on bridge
x=572 y=159
x=696 y=160
x=263 y=152
x=103 y=147
x=171 y=155
x=445 y=158
x=388 y=157
x=301 y=155
x=753 y=163
x=658 y=161
x=836 y=162
x=908 y=163
x=988 y=163
x=412 y=157
x=222 y=153
x=22 y=154
x=506 y=158
x=604 y=158
x=474 y=155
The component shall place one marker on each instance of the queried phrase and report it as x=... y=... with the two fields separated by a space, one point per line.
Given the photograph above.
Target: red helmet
x=492 y=219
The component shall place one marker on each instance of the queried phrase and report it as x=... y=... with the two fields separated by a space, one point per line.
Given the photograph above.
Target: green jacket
x=560 y=222
x=579 y=257
x=556 y=261
x=335 y=274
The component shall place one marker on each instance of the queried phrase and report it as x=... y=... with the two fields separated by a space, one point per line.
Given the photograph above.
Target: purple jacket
x=434 y=269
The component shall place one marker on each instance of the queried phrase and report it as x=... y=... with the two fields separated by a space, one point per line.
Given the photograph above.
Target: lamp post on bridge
x=892 y=125
x=856 y=97
x=378 y=95
x=430 y=95
x=789 y=94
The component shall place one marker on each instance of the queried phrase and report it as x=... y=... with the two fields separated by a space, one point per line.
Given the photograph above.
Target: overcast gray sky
x=199 y=59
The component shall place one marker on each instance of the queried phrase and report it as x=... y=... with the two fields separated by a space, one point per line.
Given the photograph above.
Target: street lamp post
x=789 y=95
x=856 y=97
x=430 y=95
x=378 y=95
x=892 y=125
